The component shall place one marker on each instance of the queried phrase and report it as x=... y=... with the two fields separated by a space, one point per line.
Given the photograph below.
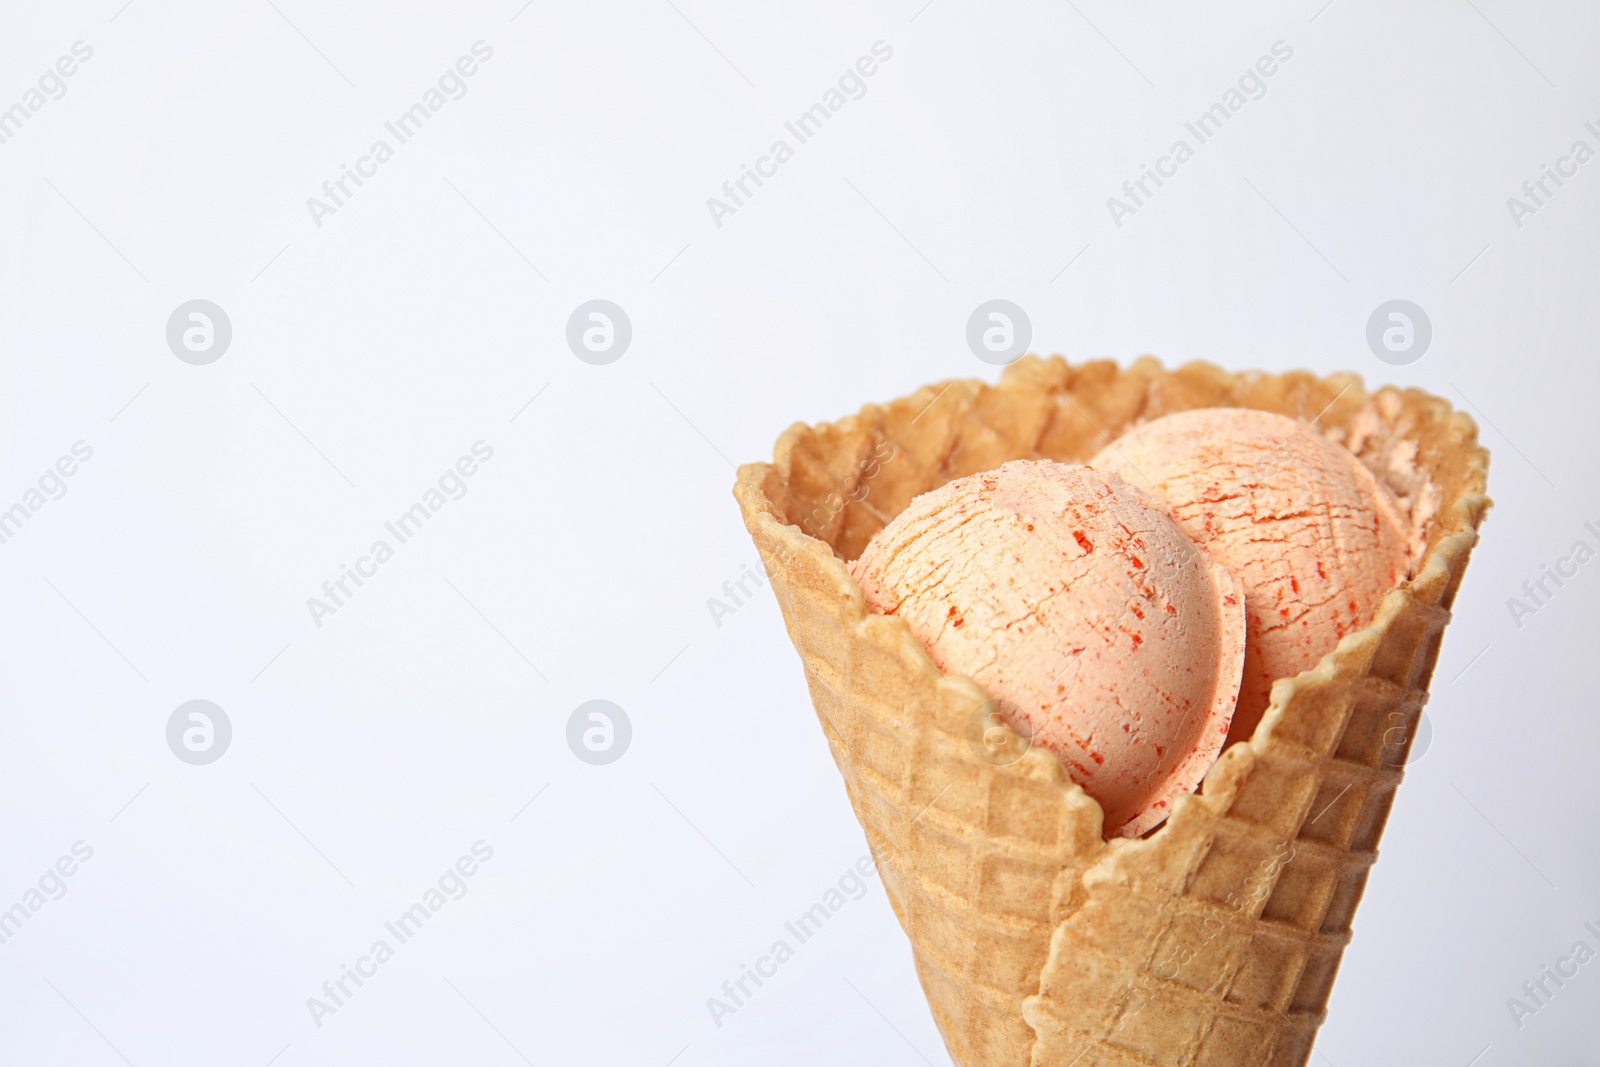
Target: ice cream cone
x=1212 y=941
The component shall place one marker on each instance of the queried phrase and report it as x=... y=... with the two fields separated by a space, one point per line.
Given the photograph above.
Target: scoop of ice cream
x=1099 y=628
x=1313 y=538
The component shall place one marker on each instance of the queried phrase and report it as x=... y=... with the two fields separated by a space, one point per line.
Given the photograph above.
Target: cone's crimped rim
x=1215 y=939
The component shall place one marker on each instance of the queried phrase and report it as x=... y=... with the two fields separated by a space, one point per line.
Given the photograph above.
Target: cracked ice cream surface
x=1084 y=610
x=1313 y=539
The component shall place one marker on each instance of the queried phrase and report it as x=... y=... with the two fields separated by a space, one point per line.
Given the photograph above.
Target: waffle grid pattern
x=1215 y=940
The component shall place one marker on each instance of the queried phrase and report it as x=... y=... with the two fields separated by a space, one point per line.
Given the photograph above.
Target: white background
x=369 y=353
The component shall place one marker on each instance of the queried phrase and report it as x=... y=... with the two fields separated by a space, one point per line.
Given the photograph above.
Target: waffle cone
x=1212 y=941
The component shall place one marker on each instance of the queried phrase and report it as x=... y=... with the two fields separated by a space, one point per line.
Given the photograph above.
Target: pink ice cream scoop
x=1314 y=540
x=1098 y=626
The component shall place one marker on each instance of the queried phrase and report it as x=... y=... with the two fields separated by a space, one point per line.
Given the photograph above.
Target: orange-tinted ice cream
x=1314 y=540
x=1085 y=611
